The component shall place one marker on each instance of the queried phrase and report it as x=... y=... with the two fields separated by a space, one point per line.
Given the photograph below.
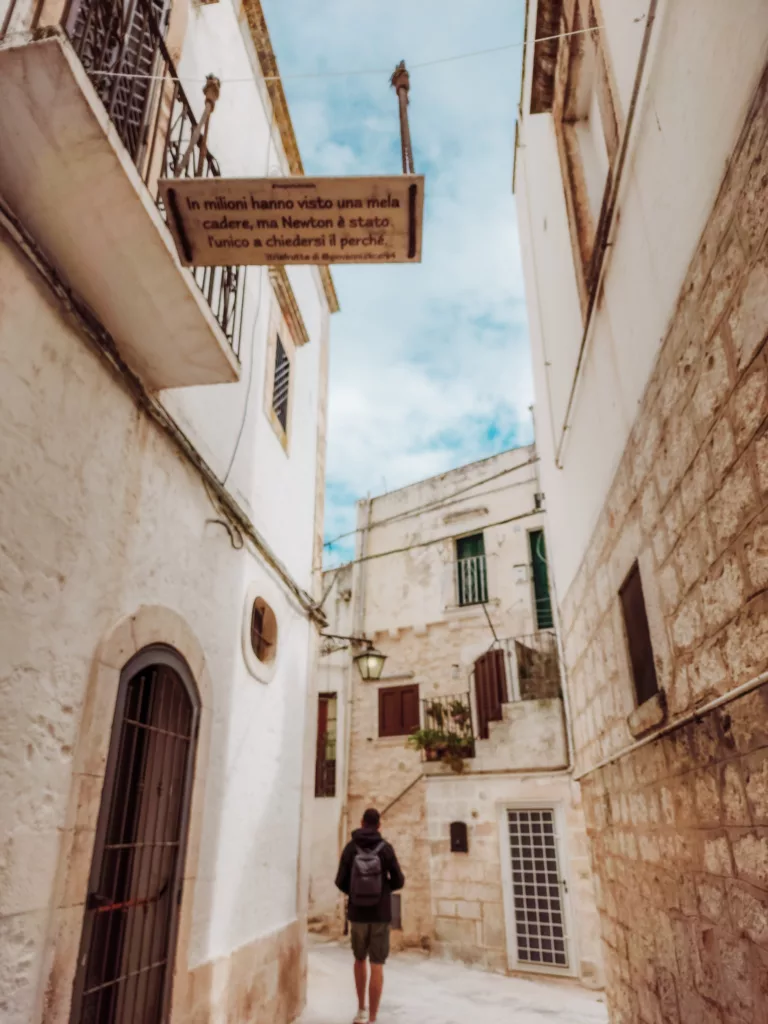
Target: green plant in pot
x=436 y=712
x=440 y=746
x=460 y=713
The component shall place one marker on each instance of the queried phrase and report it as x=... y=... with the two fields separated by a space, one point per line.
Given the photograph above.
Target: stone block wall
x=473 y=917
x=678 y=828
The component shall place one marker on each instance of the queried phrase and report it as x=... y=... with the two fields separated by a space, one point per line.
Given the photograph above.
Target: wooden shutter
x=490 y=689
x=638 y=636
x=410 y=699
x=398 y=710
x=544 y=618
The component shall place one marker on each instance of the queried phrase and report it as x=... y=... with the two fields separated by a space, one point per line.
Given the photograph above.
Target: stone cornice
x=260 y=34
x=289 y=307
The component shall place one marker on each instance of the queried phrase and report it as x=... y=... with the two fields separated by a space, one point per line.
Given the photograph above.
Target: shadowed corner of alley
x=430 y=991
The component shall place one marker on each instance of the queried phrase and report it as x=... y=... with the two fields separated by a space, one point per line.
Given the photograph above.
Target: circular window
x=263 y=631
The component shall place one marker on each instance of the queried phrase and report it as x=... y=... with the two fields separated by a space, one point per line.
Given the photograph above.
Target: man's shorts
x=370 y=939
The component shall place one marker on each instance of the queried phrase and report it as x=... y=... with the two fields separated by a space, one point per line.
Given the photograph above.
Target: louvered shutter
x=282 y=384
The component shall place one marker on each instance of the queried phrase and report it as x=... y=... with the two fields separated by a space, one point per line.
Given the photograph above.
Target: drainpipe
x=605 y=225
x=558 y=635
x=358 y=629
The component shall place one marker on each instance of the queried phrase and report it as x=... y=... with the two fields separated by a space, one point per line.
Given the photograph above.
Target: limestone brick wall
x=471 y=899
x=677 y=828
x=381 y=768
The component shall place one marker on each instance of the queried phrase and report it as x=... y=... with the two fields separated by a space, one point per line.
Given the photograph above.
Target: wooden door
x=490 y=689
x=125 y=964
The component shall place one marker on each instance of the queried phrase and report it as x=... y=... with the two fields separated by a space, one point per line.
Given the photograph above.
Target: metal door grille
x=536 y=887
x=129 y=930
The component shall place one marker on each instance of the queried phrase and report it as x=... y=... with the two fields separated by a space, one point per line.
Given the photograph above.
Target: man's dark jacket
x=392 y=877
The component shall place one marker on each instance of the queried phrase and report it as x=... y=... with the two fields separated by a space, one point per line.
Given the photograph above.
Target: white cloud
x=429 y=363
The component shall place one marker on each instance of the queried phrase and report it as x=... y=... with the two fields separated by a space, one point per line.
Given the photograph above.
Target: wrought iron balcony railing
x=535 y=663
x=121 y=46
x=448 y=730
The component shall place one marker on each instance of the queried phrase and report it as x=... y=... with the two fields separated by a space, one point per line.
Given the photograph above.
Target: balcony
x=84 y=138
x=511 y=719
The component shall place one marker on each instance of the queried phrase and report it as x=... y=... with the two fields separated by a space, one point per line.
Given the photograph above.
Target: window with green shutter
x=543 y=604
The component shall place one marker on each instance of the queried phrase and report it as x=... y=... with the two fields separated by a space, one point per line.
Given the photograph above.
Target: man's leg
x=377 y=984
x=379 y=954
x=361 y=977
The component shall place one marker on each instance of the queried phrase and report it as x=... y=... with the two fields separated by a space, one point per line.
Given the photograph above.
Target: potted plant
x=431 y=741
x=460 y=712
x=441 y=746
x=436 y=712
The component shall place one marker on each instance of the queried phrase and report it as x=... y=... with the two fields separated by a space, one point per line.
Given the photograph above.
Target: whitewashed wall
x=704 y=63
x=418 y=587
x=99 y=515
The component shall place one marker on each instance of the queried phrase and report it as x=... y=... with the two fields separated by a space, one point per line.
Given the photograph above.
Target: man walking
x=369 y=874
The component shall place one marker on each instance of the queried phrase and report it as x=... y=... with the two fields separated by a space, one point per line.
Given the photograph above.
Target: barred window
x=282 y=384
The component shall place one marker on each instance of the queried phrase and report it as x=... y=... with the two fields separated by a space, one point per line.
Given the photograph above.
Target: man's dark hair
x=371 y=818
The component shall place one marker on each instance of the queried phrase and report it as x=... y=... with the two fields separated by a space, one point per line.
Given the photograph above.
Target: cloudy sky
x=429 y=363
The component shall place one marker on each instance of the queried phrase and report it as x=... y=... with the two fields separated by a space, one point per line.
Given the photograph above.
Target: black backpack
x=367 y=883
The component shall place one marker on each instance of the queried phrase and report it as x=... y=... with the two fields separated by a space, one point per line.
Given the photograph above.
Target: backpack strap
x=380 y=847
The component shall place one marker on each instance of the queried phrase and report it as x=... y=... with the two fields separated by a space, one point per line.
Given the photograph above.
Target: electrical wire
x=429 y=543
x=520 y=45
x=431 y=505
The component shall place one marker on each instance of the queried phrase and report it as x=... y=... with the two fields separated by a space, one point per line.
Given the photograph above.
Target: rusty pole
x=400 y=81
x=211 y=91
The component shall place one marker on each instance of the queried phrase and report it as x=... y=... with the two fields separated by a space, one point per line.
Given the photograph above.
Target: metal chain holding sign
x=401 y=82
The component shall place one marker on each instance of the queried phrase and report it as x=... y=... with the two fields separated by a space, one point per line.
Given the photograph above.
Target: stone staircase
x=531 y=735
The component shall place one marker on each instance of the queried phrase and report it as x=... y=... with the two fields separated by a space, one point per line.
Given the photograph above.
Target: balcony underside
x=69 y=179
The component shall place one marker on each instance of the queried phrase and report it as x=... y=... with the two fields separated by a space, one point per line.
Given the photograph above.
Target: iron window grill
x=282 y=384
x=472 y=580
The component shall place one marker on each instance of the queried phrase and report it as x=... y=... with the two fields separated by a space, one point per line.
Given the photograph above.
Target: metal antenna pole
x=400 y=81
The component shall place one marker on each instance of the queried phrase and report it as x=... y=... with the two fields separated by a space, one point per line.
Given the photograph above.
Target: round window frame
x=263 y=671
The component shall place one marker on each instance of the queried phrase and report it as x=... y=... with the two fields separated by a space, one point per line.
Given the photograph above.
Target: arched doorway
x=125 y=964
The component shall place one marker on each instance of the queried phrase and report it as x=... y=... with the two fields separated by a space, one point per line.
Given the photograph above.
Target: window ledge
x=471 y=609
x=649 y=715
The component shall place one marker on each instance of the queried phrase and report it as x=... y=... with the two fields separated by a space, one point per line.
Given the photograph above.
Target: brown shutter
x=398 y=710
x=390 y=712
x=490 y=689
x=410 y=715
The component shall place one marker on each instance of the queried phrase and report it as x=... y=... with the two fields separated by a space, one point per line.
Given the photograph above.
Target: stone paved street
x=425 y=991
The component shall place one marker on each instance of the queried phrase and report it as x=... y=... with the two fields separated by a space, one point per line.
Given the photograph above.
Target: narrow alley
x=432 y=991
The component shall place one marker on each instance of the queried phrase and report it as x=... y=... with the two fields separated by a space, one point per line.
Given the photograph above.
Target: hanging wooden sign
x=223 y=222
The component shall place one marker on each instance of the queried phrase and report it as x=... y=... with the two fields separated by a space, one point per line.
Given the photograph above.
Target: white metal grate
x=536 y=887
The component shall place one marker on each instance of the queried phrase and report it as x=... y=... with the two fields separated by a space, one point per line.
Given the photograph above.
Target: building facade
x=450 y=583
x=642 y=198
x=161 y=494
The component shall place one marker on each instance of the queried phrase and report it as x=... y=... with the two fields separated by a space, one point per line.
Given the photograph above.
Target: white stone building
x=642 y=199
x=162 y=444
x=495 y=856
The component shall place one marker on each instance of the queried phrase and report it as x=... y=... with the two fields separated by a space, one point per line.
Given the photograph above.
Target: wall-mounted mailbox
x=459 y=837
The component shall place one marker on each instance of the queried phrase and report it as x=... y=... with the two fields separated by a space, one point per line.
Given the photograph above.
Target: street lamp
x=370 y=662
